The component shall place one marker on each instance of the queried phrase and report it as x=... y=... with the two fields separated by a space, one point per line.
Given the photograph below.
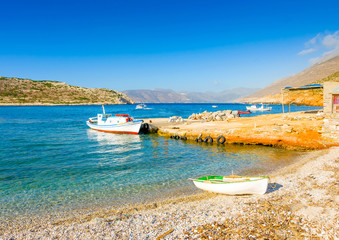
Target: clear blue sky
x=181 y=45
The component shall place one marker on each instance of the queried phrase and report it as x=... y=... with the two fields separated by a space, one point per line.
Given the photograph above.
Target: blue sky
x=180 y=45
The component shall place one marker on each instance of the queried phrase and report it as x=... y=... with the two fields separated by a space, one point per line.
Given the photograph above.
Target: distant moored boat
x=141 y=106
x=261 y=108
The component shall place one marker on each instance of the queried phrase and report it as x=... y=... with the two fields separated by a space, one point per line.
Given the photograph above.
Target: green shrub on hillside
x=83 y=98
x=48 y=85
x=332 y=78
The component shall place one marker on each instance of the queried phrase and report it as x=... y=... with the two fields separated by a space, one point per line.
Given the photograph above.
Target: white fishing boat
x=120 y=123
x=232 y=185
x=256 y=108
x=141 y=106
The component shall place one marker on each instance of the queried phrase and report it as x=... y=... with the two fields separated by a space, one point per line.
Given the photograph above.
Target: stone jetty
x=299 y=130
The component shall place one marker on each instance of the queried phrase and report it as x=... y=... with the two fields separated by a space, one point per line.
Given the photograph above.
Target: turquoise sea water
x=50 y=161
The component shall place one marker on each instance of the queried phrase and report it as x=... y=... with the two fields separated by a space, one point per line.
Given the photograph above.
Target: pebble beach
x=304 y=204
x=130 y=120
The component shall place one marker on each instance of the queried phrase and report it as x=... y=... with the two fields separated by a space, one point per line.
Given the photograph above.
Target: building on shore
x=331 y=110
x=331 y=97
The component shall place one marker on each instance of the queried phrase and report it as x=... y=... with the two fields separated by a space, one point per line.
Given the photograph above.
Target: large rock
x=214 y=116
x=175 y=119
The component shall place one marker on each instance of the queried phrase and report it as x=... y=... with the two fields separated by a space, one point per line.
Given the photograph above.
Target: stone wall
x=328 y=88
x=331 y=120
x=331 y=126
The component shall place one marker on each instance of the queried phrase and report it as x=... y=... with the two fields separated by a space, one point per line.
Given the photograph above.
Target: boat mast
x=103 y=109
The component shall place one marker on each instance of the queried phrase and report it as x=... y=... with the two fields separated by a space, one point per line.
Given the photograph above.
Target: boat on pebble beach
x=120 y=123
x=233 y=184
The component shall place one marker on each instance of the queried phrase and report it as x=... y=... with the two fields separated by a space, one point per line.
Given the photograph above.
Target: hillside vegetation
x=310 y=97
x=16 y=91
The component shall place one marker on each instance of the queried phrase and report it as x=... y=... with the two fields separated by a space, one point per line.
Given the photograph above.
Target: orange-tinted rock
x=291 y=131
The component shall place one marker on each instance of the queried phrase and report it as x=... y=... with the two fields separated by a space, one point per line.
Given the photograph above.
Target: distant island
x=18 y=91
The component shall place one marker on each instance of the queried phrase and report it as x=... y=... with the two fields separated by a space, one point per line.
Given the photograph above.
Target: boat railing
x=93 y=120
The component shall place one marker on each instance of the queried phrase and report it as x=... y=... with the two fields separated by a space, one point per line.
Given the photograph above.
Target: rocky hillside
x=170 y=96
x=25 y=91
x=311 y=97
x=310 y=75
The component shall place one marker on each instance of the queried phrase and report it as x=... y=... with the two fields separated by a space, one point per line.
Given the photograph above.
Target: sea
x=52 y=163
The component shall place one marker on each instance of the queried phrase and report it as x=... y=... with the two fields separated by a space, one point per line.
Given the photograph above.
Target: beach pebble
x=97 y=221
x=336 y=199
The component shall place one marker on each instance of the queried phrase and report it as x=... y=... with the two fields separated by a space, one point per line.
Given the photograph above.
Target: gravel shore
x=303 y=205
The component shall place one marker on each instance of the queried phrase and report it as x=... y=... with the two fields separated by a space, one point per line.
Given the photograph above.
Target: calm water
x=50 y=161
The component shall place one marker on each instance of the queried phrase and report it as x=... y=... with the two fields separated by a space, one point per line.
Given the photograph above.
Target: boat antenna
x=103 y=109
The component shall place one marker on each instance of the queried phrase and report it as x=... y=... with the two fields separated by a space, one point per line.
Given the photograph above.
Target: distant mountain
x=30 y=92
x=308 y=76
x=170 y=96
x=156 y=96
x=218 y=97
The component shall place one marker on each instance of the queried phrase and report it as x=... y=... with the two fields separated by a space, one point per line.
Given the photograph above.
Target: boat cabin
x=107 y=119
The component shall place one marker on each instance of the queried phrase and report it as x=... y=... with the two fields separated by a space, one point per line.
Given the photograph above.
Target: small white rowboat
x=233 y=185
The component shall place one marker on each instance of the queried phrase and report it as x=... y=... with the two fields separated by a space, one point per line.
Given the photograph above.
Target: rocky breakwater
x=215 y=116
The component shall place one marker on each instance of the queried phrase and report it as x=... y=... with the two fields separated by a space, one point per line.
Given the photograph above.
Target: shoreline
x=306 y=192
x=178 y=194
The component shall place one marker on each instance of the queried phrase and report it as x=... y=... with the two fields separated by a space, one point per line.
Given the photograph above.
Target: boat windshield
x=106 y=115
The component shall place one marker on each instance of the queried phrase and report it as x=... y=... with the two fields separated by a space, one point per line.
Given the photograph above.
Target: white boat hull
x=235 y=188
x=259 y=109
x=140 y=106
x=128 y=127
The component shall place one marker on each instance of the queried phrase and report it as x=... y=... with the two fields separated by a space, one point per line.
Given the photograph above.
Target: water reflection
x=262 y=159
x=118 y=143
